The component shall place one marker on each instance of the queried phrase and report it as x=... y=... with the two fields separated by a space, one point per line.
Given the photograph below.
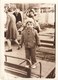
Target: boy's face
x=29 y=24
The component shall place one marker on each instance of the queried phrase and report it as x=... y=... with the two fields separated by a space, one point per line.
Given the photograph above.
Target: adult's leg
x=17 y=43
x=9 y=46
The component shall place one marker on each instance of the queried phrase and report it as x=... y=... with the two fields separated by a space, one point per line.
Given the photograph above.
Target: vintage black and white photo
x=29 y=40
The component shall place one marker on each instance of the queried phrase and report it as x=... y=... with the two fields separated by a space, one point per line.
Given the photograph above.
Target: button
x=28 y=34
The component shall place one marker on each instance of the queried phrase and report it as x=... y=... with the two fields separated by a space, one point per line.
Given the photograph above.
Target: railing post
x=29 y=73
x=40 y=69
x=6 y=58
x=29 y=70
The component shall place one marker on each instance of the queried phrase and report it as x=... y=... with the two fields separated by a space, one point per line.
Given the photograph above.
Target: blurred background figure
x=17 y=15
x=36 y=24
x=11 y=33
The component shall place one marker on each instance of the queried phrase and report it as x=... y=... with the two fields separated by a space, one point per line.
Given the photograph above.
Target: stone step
x=46 y=45
x=45 y=50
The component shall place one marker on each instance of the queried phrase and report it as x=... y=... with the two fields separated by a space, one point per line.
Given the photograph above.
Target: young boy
x=31 y=40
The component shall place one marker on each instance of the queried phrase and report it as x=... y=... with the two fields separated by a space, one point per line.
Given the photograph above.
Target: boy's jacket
x=30 y=38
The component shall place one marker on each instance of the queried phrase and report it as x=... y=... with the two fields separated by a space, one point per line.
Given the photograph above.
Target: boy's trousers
x=31 y=54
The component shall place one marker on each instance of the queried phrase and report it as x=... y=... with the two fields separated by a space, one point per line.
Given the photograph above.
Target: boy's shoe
x=33 y=66
x=27 y=66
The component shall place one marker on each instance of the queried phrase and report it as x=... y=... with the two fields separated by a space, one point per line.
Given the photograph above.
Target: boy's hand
x=39 y=45
x=19 y=47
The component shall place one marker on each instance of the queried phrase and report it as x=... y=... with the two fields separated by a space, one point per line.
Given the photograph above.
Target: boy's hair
x=29 y=20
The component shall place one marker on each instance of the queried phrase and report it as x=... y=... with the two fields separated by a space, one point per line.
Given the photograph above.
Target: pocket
x=31 y=44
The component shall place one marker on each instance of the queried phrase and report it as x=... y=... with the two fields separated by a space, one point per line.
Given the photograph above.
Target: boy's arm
x=22 y=40
x=37 y=38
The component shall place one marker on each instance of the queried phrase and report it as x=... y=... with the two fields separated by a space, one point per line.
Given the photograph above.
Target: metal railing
x=28 y=70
